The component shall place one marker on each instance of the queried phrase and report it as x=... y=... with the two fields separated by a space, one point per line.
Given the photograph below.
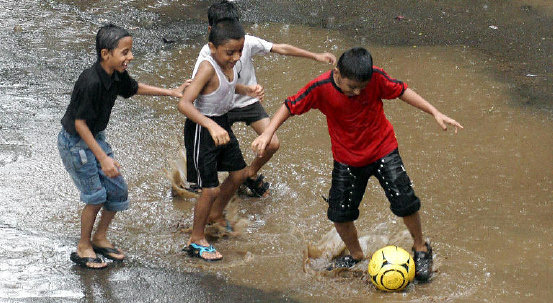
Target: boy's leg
x=256 y=116
x=413 y=223
x=201 y=212
x=81 y=164
x=348 y=234
x=258 y=162
x=100 y=240
x=84 y=247
x=227 y=189
x=422 y=251
x=117 y=195
x=346 y=193
x=404 y=203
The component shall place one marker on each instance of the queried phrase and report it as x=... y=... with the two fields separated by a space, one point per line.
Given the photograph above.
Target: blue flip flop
x=196 y=251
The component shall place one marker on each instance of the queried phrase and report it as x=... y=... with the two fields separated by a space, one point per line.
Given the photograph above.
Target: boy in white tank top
x=249 y=109
x=209 y=141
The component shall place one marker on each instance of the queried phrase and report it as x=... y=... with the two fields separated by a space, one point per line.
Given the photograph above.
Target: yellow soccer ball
x=391 y=268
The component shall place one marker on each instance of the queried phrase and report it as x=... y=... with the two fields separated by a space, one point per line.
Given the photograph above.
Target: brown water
x=486 y=191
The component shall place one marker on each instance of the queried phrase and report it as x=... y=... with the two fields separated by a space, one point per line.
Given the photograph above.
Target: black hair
x=220 y=11
x=224 y=30
x=108 y=37
x=356 y=64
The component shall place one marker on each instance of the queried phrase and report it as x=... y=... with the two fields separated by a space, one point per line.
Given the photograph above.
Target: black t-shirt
x=93 y=97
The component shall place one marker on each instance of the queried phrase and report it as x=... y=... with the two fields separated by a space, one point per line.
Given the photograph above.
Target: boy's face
x=228 y=53
x=118 y=58
x=348 y=86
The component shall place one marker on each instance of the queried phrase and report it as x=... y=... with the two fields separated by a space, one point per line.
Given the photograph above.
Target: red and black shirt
x=359 y=131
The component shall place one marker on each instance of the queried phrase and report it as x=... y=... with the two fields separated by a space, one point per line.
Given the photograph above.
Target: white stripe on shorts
x=197 y=153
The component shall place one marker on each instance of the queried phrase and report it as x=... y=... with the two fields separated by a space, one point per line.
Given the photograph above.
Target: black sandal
x=108 y=252
x=257 y=187
x=346 y=261
x=84 y=261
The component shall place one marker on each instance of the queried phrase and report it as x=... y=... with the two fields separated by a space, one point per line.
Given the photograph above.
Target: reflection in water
x=486 y=192
x=30 y=266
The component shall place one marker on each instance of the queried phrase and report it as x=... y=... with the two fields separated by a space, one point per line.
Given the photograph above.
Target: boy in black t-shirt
x=86 y=155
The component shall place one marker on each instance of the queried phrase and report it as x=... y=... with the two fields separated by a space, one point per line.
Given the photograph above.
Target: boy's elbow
x=181 y=106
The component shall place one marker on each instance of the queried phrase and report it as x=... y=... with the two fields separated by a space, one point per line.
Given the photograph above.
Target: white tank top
x=220 y=101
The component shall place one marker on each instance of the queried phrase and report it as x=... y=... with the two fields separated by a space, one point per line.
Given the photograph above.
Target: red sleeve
x=390 y=88
x=308 y=97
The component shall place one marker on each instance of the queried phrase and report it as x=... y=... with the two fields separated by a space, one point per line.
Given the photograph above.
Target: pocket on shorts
x=79 y=156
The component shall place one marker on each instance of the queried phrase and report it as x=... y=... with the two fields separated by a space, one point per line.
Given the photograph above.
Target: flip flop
x=196 y=251
x=257 y=187
x=107 y=251
x=346 y=261
x=83 y=261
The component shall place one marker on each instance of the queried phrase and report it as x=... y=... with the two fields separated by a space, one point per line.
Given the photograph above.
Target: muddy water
x=486 y=192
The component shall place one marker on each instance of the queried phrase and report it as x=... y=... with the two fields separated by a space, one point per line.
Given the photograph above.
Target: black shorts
x=204 y=159
x=349 y=184
x=248 y=114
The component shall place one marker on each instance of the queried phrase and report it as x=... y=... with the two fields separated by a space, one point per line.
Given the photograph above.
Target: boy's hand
x=256 y=91
x=110 y=167
x=219 y=135
x=443 y=120
x=259 y=144
x=326 y=57
x=178 y=92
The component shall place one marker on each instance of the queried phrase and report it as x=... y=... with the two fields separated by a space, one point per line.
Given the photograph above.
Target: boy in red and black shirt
x=363 y=144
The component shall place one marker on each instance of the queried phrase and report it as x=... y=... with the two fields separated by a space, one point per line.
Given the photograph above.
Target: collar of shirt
x=104 y=77
x=334 y=83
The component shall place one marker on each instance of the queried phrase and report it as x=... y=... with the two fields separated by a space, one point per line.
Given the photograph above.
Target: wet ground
x=486 y=192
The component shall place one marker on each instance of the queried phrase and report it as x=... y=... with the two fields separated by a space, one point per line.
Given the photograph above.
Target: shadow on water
x=486 y=192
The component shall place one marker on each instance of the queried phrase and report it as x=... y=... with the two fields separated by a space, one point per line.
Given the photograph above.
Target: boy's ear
x=337 y=71
x=209 y=29
x=104 y=53
x=212 y=47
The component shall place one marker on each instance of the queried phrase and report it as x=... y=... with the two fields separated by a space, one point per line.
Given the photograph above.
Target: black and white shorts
x=204 y=159
x=349 y=184
x=247 y=114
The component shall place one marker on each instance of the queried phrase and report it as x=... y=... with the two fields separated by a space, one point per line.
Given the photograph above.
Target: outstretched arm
x=290 y=50
x=412 y=98
x=145 y=89
x=260 y=143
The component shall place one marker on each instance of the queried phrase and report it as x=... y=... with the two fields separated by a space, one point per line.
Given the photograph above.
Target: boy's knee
x=405 y=205
x=117 y=189
x=116 y=205
x=274 y=145
x=342 y=216
x=117 y=194
x=211 y=192
x=94 y=198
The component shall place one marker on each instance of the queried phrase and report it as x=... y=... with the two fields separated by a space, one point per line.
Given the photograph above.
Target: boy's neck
x=108 y=69
x=229 y=72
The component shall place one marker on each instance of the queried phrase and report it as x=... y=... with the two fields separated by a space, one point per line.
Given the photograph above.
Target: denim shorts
x=95 y=187
x=349 y=184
